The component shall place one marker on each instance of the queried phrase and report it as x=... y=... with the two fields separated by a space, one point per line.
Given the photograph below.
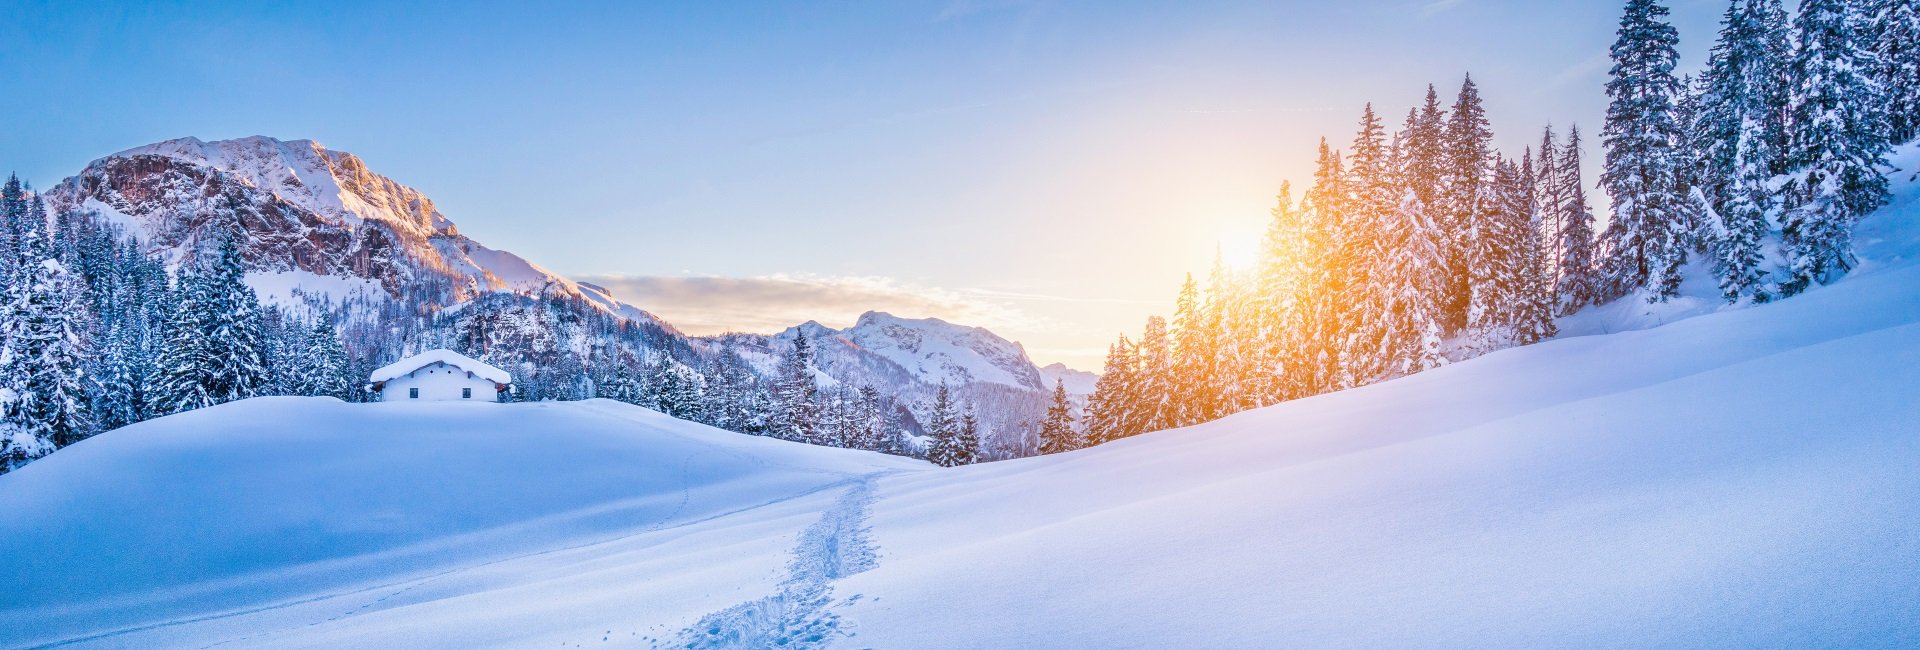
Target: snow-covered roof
x=396 y=369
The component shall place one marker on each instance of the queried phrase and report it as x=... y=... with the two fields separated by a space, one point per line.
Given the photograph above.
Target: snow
x=235 y=520
x=1740 y=478
x=338 y=186
x=400 y=368
x=933 y=350
x=1078 y=382
x=289 y=288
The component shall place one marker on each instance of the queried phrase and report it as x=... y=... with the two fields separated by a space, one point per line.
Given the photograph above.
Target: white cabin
x=440 y=375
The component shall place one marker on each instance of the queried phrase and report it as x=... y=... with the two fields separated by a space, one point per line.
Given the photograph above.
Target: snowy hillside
x=286 y=507
x=1743 y=478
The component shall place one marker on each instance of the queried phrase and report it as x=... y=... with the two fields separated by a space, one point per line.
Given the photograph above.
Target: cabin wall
x=438 y=382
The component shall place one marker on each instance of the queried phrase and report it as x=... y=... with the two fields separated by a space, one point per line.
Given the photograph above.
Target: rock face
x=299 y=207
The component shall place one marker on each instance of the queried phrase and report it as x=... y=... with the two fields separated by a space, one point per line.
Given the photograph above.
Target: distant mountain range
x=322 y=230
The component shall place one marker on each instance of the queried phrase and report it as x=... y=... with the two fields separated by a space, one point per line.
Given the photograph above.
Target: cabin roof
x=402 y=367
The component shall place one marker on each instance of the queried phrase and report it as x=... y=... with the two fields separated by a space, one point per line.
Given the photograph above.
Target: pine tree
x=46 y=322
x=1192 y=372
x=796 y=413
x=1056 y=431
x=1154 y=405
x=1647 y=239
x=1371 y=204
x=1837 y=139
x=966 y=441
x=1505 y=266
x=1272 y=370
x=213 y=351
x=874 y=423
x=1738 y=133
x=1109 y=409
x=943 y=427
x=1896 y=37
x=14 y=225
x=122 y=379
x=1578 y=285
x=1469 y=150
x=1405 y=303
x=324 y=363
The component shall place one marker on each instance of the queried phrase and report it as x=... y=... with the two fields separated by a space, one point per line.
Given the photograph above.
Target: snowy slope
x=285 y=508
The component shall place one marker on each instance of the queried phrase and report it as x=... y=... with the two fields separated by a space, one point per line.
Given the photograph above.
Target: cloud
x=1593 y=66
x=1437 y=6
x=713 y=304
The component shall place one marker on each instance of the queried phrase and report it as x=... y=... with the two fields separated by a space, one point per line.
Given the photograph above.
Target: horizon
x=1046 y=121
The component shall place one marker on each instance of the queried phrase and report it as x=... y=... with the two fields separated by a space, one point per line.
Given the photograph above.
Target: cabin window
x=466 y=393
x=413 y=393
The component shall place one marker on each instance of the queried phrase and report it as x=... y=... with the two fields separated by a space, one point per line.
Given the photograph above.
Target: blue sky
x=1047 y=169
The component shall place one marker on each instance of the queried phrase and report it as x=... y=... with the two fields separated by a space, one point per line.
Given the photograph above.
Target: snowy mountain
x=1740 y=478
x=317 y=222
x=321 y=229
x=883 y=349
x=1079 y=383
x=909 y=358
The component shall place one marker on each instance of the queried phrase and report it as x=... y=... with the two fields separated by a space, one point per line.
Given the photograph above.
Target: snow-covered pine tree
x=324 y=362
x=1578 y=286
x=13 y=224
x=1056 y=430
x=1405 y=303
x=1896 y=34
x=1109 y=408
x=1647 y=239
x=1736 y=134
x=213 y=350
x=46 y=324
x=1325 y=315
x=678 y=395
x=1496 y=265
x=1837 y=141
x=966 y=441
x=1278 y=320
x=943 y=430
x=1155 y=406
x=1231 y=336
x=120 y=398
x=874 y=435
x=286 y=339
x=796 y=412
x=1549 y=196
x=1469 y=151
x=1191 y=371
x=1373 y=201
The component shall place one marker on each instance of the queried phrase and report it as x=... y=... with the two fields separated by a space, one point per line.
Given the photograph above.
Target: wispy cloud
x=1592 y=66
x=1437 y=6
x=714 y=304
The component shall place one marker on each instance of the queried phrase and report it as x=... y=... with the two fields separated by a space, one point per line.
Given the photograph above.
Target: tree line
x=1425 y=245
x=96 y=334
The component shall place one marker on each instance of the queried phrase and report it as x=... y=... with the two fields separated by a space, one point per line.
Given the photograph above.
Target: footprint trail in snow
x=797 y=615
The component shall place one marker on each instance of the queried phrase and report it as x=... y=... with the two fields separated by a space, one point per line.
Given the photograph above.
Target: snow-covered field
x=1746 y=477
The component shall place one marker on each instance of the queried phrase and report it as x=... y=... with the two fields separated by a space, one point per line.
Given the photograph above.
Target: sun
x=1239 y=250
